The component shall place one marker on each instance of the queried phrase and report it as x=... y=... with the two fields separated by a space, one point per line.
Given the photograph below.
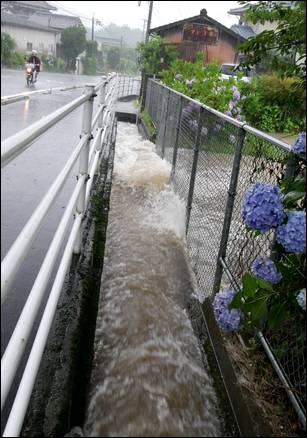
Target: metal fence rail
x=89 y=156
x=214 y=160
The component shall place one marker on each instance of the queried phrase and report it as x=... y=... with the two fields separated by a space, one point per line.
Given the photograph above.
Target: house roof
x=245 y=31
x=240 y=11
x=200 y=18
x=237 y=11
x=36 y=5
x=23 y=21
x=56 y=21
x=107 y=40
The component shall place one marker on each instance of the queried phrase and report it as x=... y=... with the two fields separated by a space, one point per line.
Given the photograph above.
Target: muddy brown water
x=148 y=378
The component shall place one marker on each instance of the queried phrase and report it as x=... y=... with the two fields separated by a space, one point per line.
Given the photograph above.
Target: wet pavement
x=26 y=179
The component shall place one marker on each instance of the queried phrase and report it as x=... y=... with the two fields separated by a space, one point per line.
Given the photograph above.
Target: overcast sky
x=128 y=12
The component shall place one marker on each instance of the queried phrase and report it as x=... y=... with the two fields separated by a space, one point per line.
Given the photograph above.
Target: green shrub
x=267 y=102
x=17 y=59
x=7 y=48
x=60 y=64
x=274 y=104
x=89 y=64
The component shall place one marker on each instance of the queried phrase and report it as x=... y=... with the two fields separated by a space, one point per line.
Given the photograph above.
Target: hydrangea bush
x=274 y=289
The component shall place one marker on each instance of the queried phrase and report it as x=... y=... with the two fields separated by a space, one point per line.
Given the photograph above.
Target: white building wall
x=43 y=42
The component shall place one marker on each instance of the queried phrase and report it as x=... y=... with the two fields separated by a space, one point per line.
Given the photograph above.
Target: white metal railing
x=5 y=100
x=89 y=157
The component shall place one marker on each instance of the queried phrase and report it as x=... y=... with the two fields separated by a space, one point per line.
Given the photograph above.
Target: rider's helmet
x=34 y=52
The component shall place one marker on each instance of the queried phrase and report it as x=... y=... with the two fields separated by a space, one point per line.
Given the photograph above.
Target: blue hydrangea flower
x=265 y=268
x=301 y=298
x=299 y=146
x=227 y=320
x=292 y=235
x=262 y=207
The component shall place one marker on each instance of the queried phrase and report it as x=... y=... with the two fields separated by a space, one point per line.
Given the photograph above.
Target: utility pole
x=144 y=80
x=149 y=21
x=145 y=21
x=93 y=23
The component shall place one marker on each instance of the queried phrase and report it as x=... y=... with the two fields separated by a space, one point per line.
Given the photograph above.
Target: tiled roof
x=23 y=21
x=56 y=21
x=244 y=31
x=199 y=18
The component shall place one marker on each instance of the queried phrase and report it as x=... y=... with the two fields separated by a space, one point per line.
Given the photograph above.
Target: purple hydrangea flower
x=299 y=146
x=204 y=132
x=190 y=83
x=228 y=113
x=231 y=105
x=301 y=298
x=227 y=319
x=193 y=125
x=265 y=268
x=236 y=96
x=292 y=235
x=262 y=207
x=232 y=139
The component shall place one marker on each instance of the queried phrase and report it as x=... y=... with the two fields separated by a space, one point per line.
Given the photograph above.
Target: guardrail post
x=84 y=157
x=229 y=208
x=102 y=98
x=194 y=166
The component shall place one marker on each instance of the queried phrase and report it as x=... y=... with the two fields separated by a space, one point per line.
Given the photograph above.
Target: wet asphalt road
x=26 y=179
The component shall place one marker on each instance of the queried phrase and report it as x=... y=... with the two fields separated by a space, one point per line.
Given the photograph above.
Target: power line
x=69 y=11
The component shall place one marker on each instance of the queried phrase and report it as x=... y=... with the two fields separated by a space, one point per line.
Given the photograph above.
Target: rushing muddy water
x=148 y=377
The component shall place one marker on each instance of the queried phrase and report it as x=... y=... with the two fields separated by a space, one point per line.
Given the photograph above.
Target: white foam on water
x=148 y=378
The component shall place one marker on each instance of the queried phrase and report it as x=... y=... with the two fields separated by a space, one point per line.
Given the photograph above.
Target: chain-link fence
x=214 y=160
x=127 y=86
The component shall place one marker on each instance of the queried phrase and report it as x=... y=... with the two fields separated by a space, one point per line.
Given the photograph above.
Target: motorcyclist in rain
x=34 y=59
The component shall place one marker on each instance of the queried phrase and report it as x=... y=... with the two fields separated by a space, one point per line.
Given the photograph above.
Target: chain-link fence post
x=229 y=208
x=194 y=167
x=177 y=137
x=165 y=123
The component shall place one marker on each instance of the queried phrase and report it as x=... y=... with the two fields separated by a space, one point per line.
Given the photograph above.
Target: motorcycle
x=30 y=74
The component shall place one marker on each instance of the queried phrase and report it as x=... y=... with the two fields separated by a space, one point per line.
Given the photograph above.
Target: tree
x=156 y=54
x=7 y=47
x=73 y=41
x=113 y=57
x=286 y=45
x=91 y=48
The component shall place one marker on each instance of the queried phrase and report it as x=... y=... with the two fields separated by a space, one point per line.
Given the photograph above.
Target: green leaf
x=236 y=301
x=263 y=284
x=276 y=315
x=293 y=197
x=259 y=309
x=249 y=283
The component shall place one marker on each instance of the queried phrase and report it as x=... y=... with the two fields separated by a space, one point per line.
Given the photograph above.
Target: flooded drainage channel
x=153 y=366
x=149 y=377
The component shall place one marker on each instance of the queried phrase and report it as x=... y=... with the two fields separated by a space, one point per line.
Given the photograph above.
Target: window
x=29 y=46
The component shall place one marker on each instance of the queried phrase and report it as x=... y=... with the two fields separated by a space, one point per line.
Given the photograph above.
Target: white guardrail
x=89 y=157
